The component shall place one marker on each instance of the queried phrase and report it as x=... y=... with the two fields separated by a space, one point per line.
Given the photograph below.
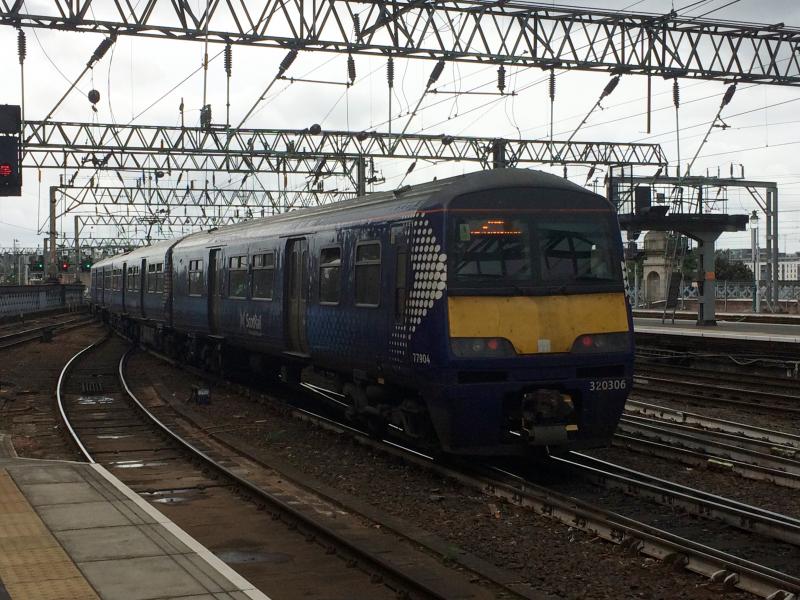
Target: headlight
x=602 y=342
x=481 y=347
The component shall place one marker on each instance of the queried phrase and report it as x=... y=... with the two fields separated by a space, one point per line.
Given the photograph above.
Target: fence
x=23 y=299
x=788 y=291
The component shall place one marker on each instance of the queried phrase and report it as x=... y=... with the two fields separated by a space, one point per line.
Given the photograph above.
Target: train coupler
x=546 y=415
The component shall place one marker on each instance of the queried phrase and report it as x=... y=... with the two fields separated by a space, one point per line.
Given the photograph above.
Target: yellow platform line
x=33 y=565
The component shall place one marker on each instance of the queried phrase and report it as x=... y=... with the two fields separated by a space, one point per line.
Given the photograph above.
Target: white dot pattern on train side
x=429 y=275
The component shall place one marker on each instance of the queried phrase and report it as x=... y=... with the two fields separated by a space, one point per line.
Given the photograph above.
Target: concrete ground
x=73 y=531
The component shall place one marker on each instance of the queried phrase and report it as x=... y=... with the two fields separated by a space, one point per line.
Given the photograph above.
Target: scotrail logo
x=250 y=322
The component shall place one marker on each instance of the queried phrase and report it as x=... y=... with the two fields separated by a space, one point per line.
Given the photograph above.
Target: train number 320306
x=604 y=385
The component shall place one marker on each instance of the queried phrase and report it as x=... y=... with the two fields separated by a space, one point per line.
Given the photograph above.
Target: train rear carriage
x=134 y=285
x=113 y=283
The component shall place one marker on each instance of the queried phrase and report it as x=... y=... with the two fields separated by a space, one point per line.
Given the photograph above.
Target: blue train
x=484 y=314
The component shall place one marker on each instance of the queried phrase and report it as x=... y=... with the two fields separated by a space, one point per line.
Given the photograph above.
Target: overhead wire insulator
x=357 y=26
x=351 y=68
x=22 y=46
x=287 y=62
x=436 y=73
x=728 y=95
x=390 y=72
x=501 y=78
x=552 y=84
x=102 y=48
x=228 y=59
x=676 y=93
x=610 y=86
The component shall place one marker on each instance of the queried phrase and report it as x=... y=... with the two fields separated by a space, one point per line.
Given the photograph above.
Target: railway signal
x=10 y=150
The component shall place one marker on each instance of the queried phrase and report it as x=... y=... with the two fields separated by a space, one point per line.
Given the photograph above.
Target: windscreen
x=532 y=249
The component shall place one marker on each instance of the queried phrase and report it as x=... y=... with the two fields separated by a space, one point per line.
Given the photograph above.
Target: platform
x=779 y=333
x=73 y=531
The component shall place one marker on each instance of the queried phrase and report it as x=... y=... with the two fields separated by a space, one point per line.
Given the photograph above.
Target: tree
x=726 y=270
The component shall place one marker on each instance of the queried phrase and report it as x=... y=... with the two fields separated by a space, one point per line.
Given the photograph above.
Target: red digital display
x=5 y=170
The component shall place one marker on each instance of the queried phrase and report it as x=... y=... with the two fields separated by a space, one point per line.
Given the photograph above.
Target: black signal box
x=10 y=174
x=10 y=150
x=10 y=119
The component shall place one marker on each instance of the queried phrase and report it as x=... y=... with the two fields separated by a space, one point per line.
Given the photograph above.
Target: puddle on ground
x=113 y=436
x=90 y=400
x=135 y=464
x=171 y=496
x=245 y=556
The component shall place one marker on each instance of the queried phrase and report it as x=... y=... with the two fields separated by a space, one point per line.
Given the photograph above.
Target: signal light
x=10 y=151
x=64 y=265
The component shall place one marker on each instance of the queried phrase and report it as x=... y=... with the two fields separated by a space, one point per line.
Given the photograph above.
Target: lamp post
x=755 y=255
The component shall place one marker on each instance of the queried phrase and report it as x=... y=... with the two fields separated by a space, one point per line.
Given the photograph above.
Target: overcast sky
x=135 y=80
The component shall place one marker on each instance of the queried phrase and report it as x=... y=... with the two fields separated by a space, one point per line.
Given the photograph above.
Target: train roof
x=375 y=205
x=159 y=247
x=409 y=199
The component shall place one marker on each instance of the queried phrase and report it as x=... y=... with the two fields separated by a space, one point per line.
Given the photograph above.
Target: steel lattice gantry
x=197 y=203
x=512 y=32
x=116 y=147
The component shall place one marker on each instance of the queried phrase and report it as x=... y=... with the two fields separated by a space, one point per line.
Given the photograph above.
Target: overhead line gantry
x=509 y=32
x=55 y=144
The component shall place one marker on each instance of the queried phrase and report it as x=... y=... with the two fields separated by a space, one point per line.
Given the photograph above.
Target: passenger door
x=142 y=285
x=214 y=290
x=123 y=277
x=296 y=295
x=400 y=285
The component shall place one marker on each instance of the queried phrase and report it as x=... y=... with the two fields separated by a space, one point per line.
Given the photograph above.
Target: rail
x=60 y=400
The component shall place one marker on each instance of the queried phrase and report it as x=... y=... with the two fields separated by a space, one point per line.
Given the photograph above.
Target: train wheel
x=376 y=427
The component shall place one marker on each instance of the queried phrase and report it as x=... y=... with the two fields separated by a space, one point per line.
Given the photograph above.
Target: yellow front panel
x=537 y=324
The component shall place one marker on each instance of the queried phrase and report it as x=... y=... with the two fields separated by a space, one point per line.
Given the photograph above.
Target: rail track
x=705 y=442
x=715 y=444
x=636 y=534
x=758 y=382
x=41 y=329
x=168 y=461
x=649 y=387
x=788 y=443
x=520 y=489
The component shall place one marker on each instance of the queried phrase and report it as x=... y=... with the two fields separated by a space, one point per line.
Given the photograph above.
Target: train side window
x=237 y=277
x=136 y=279
x=400 y=282
x=368 y=274
x=196 y=277
x=151 y=278
x=263 y=275
x=330 y=275
x=107 y=279
x=159 y=285
x=133 y=279
x=155 y=278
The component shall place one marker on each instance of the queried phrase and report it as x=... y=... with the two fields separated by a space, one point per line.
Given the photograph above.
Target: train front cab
x=540 y=351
